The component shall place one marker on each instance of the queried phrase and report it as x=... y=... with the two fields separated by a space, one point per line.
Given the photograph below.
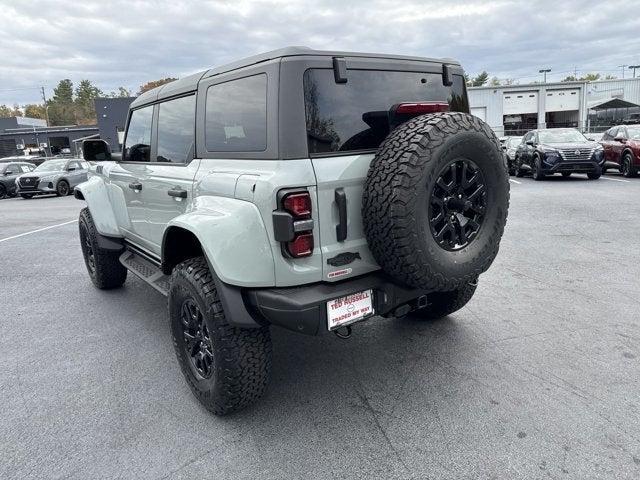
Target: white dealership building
x=589 y=106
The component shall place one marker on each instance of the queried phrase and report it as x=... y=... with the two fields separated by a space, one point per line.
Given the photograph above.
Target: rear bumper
x=303 y=309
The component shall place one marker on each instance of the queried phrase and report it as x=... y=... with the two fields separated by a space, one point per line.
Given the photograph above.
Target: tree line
x=71 y=105
x=483 y=79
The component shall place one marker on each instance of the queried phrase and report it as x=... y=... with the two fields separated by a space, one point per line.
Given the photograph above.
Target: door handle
x=341 y=202
x=177 y=193
x=135 y=186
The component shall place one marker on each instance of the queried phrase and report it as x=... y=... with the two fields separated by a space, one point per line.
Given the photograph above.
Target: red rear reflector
x=301 y=245
x=298 y=204
x=422 y=107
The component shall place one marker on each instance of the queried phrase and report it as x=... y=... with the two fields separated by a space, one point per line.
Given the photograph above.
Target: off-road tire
x=441 y=304
x=627 y=166
x=397 y=193
x=242 y=357
x=3 y=192
x=107 y=271
x=62 y=188
x=26 y=195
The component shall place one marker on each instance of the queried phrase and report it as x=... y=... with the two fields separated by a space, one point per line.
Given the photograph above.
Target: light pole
x=544 y=71
x=633 y=67
x=622 y=67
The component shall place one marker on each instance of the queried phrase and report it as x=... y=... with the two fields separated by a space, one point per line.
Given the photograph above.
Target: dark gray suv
x=8 y=173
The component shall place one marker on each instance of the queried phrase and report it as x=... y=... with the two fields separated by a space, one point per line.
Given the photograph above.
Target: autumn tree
x=33 y=110
x=154 y=84
x=5 y=111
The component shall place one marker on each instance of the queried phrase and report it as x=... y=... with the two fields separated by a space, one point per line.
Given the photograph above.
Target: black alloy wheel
x=197 y=342
x=457 y=204
x=87 y=248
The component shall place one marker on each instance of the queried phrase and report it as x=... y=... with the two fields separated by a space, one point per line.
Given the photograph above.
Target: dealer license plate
x=345 y=310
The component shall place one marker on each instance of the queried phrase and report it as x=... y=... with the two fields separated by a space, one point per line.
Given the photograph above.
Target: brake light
x=298 y=204
x=293 y=225
x=422 y=107
x=301 y=245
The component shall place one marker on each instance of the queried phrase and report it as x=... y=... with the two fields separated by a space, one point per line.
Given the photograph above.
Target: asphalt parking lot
x=538 y=377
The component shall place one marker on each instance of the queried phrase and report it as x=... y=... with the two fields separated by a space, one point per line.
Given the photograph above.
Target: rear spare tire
x=435 y=201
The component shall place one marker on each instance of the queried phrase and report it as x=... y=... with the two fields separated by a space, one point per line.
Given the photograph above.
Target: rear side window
x=236 y=115
x=176 y=128
x=137 y=145
x=354 y=115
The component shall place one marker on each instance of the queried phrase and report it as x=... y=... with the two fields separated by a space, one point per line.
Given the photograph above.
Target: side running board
x=146 y=270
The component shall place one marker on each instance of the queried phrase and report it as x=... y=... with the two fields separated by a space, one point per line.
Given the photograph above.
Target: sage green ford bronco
x=299 y=188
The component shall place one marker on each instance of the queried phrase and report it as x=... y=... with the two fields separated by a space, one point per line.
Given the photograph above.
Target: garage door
x=562 y=100
x=480 y=112
x=519 y=102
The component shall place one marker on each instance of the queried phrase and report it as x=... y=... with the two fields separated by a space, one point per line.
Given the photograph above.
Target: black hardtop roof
x=190 y=83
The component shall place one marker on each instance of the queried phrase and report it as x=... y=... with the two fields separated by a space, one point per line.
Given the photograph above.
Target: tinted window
x=354 y=115
x=236 y=115
x=176 y=124
x=137 y=146
x=75 y=165
x=11 y=169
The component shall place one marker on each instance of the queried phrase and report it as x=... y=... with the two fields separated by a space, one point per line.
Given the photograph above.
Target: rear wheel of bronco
x=227 y=368
x=103 y=266
x=441 y=304
x=435 y=201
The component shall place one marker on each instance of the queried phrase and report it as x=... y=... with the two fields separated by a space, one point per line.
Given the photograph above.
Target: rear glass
x=353 y=116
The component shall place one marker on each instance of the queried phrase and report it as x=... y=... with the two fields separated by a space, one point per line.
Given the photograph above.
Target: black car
x=9 y=171
x=558 y=150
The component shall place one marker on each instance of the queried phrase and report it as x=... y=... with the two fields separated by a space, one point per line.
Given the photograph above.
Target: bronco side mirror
x=96 y=151
x=530 y=142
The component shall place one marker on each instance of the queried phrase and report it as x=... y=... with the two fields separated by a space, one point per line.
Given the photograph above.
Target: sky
x=127 y=43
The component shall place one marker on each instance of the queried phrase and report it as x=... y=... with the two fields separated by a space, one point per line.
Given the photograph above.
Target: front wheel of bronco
x=103 y=266
x=227 y=368
x=441 y=304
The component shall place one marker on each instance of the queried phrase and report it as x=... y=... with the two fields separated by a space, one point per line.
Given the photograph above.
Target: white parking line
x=615 y=179
x=36 y=231
x=515 y=181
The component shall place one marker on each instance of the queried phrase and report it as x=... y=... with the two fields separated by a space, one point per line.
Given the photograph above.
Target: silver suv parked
x=57 y=176
x=298 y=188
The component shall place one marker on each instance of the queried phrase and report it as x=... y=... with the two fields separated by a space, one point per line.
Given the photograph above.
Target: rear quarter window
x=352 y=116
x=236 y=115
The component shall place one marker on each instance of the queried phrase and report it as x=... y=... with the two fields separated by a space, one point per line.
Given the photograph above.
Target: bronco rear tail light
x=293 y=225
x=298 y=204
x=420 y=108
x=301 y=245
